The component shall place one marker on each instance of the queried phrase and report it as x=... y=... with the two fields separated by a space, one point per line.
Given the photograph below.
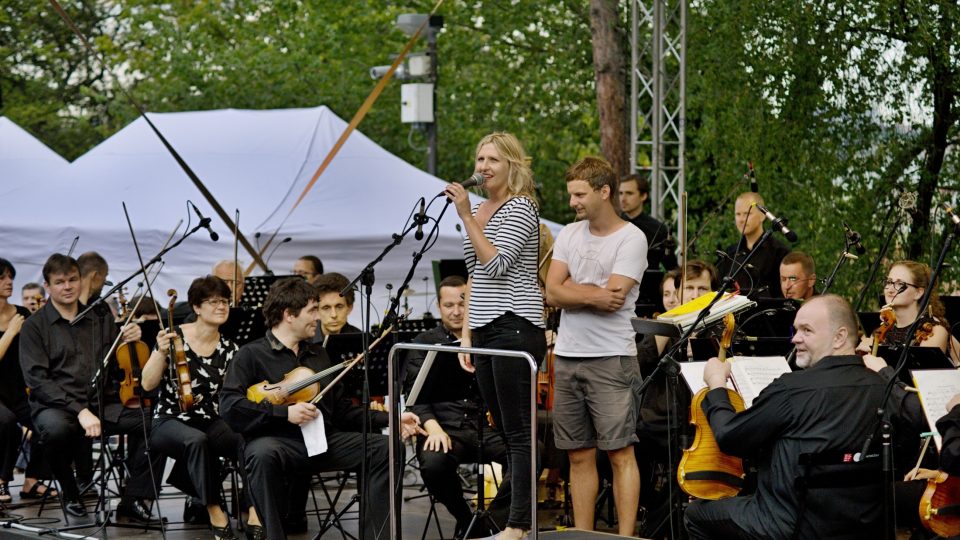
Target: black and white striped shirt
x=508 y=281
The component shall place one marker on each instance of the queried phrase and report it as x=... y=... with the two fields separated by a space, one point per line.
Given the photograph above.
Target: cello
x=179 y=368
x=705 y=472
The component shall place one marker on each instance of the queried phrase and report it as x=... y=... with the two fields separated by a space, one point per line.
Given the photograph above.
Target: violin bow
x=349 y=365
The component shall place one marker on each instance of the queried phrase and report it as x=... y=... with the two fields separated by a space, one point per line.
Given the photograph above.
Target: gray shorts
x=594 y=404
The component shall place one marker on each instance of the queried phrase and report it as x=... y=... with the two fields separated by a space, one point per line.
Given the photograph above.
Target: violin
x=888 y=318
x=940 y=505
x=179 y=368
x=302 y=383
x=131 y=357
x=705 y=472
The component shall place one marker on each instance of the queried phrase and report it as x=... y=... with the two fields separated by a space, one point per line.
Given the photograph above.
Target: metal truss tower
x=658 y=43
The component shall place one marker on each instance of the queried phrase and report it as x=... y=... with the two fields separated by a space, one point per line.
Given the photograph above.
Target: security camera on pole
x=418 y=98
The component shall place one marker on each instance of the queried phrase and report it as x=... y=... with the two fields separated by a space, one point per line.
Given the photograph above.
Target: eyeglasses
x=217 y=302
x=897 y=284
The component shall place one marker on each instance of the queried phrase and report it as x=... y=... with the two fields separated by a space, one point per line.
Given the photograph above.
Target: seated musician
x=902 y=290
x=195 y=438
x=309 y=267
x=798 y=277
x=14 y=409
x=32 y=296
x=232 y=274
x=334 y=309
x=451 y=427
x=59 y=360
x=804 y=412
x=275 y=450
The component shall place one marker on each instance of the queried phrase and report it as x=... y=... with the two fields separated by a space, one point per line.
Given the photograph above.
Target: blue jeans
x=505 y=386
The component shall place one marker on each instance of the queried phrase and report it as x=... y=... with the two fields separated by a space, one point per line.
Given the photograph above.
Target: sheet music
x=314 y=435
x=692 y=373
x=936 y=387
x=751 y=374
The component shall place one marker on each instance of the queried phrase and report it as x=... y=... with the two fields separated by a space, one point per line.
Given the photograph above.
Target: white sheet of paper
x=692 y=373
x=314 y=436
x=936 y=388
x=754 y=373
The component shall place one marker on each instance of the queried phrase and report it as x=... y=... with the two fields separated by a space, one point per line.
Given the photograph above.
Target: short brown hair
x=334 y=282
x=92 y=261
x=805 y=261
x=452 y=281
x=288 y=294
x=643 y=185
x=594 y=171
x=207 y=287
x=59 y=263
x=696 y=268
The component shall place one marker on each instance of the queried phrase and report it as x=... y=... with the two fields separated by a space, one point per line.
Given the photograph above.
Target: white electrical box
x=416 y=103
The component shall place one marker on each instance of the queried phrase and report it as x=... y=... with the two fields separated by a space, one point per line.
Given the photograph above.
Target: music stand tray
x=917 y=358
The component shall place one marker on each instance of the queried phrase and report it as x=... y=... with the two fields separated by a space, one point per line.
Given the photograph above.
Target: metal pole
x=393 y=384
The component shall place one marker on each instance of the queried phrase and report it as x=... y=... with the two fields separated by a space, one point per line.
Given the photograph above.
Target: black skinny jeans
x=505 y=386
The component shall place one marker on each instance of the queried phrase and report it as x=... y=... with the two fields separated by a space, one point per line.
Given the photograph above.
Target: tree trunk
x=610 y=72
x=943 y=86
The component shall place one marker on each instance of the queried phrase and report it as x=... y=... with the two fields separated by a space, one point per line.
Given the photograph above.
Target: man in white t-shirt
x=594 y=277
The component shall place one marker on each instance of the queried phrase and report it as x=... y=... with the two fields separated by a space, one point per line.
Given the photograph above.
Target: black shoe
x=295 y=524
x=224 y=533
x=195 y=513
x=134 y=510
x=255 y=532
x=75 y=508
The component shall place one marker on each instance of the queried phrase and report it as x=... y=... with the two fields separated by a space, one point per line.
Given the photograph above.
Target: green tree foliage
x=840 y=105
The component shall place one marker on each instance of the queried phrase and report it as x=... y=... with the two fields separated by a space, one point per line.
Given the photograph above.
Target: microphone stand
x=883 y=252
x=671 y=368
x=367 y=279
x=844 y=257
x=883 y=420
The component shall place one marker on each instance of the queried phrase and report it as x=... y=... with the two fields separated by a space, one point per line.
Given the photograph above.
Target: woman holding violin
x=195 y=436
x=14 y=408
x=903 y=288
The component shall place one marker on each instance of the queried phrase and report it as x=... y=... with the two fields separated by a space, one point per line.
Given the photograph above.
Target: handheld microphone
x=476 y=179
x=205 y=223
x=778 y=223
x=421 y=218
x=853 y=238
x=754 y=186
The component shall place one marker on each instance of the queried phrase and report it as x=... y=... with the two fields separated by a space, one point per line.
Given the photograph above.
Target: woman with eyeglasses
x=902 y=290
x=198 y=437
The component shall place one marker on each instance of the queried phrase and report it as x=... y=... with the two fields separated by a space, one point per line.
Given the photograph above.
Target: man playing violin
x=275 y=450
x=827 y=409
x=597 y=266
x=59 y=361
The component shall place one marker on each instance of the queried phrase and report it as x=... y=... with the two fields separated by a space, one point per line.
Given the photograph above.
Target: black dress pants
x=272 y=461
x=439 y=470
x=196 y=447
x=11 y=418
x=62 y=437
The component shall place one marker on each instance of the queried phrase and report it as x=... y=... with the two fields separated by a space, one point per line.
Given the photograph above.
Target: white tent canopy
x=255 y=161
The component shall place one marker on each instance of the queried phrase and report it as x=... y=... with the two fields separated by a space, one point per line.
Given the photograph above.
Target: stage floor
x=415 y=515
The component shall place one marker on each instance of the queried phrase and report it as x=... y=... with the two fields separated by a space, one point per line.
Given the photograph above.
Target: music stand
x=439 y=380
x=244 y=325
x=256 y=288
x=869 y=321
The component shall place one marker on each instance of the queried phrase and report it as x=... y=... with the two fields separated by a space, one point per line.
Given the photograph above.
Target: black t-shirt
x=762 y=274
x=656 y=233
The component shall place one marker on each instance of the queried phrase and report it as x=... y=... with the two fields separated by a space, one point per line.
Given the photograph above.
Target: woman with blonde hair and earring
x=504 y=303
